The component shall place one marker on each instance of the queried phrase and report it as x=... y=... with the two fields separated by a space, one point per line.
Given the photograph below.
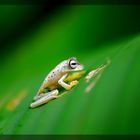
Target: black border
x=70 y=2
x=70 y=137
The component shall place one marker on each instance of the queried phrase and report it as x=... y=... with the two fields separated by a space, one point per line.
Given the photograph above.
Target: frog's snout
x=80 y=67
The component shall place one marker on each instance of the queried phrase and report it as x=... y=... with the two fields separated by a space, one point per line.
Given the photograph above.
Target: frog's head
x=74 y=65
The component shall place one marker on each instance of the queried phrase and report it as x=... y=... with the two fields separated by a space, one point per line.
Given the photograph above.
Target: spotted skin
x=55 y=79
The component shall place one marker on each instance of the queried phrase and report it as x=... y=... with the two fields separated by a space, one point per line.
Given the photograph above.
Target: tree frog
x=61 y=77
x=56 y=79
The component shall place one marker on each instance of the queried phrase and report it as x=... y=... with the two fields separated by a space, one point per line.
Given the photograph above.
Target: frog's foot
x=73 y=83
x=45 y=98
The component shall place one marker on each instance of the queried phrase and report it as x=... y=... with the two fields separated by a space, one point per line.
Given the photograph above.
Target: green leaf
x=112 y=107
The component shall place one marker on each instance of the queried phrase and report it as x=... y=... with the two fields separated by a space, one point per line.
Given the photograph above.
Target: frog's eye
x=73 y=64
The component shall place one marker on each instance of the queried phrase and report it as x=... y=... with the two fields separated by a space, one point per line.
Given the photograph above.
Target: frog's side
x=55 y=79
x=51 y=80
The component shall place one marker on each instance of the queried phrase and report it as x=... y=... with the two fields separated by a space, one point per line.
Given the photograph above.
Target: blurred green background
x=34 y=39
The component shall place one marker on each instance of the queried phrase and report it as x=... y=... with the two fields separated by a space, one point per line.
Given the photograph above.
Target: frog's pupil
x=73 y=63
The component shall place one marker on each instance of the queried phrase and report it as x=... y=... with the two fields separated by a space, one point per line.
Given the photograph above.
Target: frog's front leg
x=65 y=85
x=45 y=98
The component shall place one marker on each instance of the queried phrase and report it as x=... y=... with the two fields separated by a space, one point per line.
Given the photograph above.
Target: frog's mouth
x=79 y=67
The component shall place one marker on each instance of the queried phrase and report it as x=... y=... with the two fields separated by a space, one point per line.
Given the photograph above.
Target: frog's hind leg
x=45 y=98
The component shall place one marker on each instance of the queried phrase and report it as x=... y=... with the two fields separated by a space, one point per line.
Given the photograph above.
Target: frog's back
x=51 y=80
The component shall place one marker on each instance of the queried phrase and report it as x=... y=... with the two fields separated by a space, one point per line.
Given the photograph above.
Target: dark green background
x=34 y=39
